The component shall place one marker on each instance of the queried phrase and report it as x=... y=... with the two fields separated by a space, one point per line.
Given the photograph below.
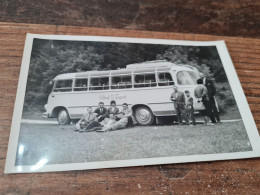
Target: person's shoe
x=76 y=130
x=101 y=130
x=96 y=128
x=210 y=124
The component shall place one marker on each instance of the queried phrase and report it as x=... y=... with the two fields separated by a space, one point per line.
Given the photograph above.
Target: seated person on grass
x=101 y=112
x=127 y=112
x=88 y=122
x=112 y=109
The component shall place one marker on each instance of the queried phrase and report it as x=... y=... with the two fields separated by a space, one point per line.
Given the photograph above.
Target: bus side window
x=165 y=79
x=121 y=82
x=145 y=80
x=81 y=85
x=63 y=85
x=100 y=83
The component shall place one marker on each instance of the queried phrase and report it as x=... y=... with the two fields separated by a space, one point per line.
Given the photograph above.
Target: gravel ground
x=60 y=144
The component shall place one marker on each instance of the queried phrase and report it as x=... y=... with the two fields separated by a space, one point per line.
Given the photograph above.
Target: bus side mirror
x=51 y=82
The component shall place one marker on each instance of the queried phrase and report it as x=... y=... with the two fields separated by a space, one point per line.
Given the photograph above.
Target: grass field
x=60 y=144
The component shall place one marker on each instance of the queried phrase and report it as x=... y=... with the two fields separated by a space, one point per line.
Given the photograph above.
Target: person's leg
x=178 y=112
x=130 y=122
x=214 y=108
x=92 y=126
x=83 y=125
x=115 y=126
x=192 y=117
x=101 y=119
x=77 y=127
x=209 y=112
x=120 y=124
x=134 y=121
x=104 y=129
x=205 y=120
x=184 y=116
x=188 y=114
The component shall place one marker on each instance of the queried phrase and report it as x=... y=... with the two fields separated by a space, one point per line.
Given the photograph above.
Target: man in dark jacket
x=178 y=99
x=211 y=94
x=101 y=112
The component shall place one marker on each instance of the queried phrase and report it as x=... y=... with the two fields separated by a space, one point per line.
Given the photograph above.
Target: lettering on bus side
x=112 y=97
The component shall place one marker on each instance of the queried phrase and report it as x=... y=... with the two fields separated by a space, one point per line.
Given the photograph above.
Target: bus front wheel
x=63 y=117
x=144 y=116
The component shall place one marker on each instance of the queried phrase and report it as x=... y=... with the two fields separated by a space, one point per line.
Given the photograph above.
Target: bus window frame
x=158 y=79
x=145 y=73
x=109 y=83
x=74 y=81
x=54 y=86
x=111 y=77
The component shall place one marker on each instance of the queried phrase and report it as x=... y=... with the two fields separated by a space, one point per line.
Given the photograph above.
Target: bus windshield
x=187 y=78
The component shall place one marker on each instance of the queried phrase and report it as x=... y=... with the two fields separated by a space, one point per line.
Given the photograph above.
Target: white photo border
x=233 y=80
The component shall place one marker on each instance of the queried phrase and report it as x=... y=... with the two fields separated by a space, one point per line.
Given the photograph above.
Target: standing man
x=201 y=94
x=101 y=112
x=178 y=99
x=211 y=94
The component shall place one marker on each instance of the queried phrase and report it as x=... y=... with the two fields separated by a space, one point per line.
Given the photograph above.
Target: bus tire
x=63 y=117
x=144 y=116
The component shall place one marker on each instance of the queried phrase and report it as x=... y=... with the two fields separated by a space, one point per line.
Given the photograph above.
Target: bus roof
x=149 y=66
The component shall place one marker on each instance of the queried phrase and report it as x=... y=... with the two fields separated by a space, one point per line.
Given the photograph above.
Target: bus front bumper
x=46 y=115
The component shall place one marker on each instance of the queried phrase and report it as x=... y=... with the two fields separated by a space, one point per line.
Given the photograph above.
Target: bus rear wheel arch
x=63 y=117
x=143 y=115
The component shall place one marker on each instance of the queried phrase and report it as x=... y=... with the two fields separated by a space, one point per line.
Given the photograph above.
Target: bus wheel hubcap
x=144 y=115
x=63 y=116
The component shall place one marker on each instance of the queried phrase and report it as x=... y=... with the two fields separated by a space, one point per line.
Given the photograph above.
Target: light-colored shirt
x=127 y=112
x=200 y=91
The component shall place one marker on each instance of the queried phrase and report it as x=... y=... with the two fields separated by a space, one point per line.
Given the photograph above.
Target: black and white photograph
x=102 y=102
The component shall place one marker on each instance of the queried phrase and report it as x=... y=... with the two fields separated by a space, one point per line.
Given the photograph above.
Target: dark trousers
x=130 y=122
x=101 y=119
x=214 y=108
x=190 y=115
x=181 y=113
x=90 y=126
x=208 y=110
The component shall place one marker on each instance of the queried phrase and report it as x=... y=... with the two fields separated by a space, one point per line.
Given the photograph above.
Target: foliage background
x=52 y=57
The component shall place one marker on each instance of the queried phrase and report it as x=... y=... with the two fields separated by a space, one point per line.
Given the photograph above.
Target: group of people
x=205 y=102
x=103 y=119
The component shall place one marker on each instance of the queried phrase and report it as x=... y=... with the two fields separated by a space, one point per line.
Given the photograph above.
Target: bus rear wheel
x=144 y=116
x=63 y=117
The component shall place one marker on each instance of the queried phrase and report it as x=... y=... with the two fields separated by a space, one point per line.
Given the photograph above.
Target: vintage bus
x=146 y=87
